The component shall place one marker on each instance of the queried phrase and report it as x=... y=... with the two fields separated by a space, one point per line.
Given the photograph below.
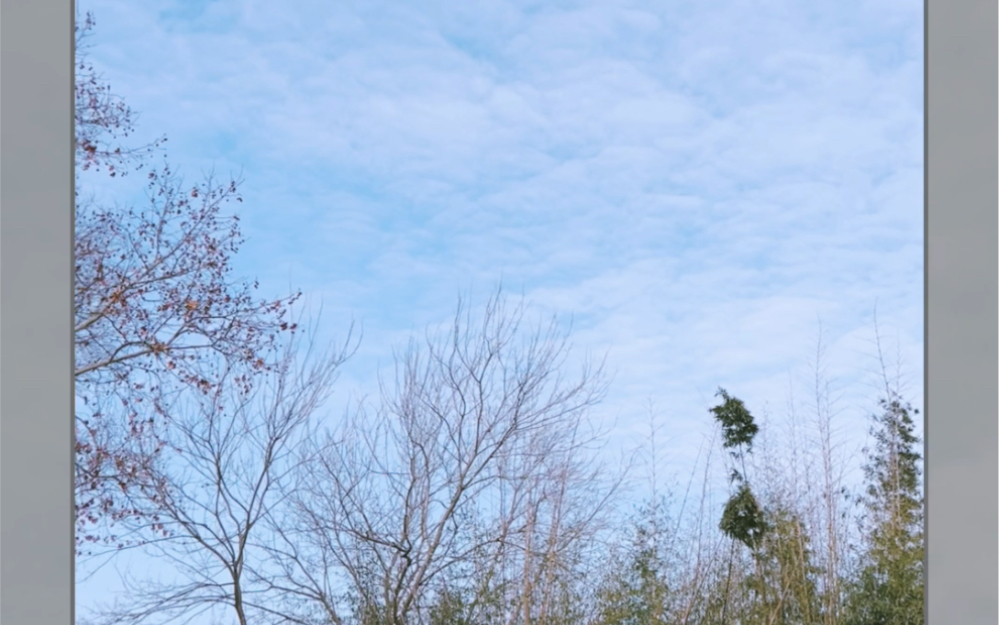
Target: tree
x=888 y=587
x=157 y=310
x=213 y=501
x=787 y=571
x=833 y=493
x=657 y=569
x=635 y=592
x=468 y=476
x=743 y=519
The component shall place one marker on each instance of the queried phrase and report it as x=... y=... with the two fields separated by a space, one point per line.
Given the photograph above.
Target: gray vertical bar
x=36 y=200
x=962 y=312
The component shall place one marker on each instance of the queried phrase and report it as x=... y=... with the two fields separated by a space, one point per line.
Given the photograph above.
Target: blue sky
x=696 y=183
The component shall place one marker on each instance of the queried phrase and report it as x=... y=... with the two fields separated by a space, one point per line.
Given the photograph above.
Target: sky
x=701 y=186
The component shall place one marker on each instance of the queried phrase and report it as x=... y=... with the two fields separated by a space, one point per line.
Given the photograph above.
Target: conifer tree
x=888 y=587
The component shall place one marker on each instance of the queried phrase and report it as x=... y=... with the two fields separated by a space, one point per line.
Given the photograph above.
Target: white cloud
x=696 y=182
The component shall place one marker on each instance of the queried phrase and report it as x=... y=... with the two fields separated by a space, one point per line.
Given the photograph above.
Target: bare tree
x=832 y=506
x=211 y=499
x=446 y=472
x=549 y=535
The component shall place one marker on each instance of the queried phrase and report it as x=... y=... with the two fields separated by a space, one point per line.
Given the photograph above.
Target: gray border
x=36 y=199
x=962 y=312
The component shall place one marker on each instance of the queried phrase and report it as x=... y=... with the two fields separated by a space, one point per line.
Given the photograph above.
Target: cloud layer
x=696 y=183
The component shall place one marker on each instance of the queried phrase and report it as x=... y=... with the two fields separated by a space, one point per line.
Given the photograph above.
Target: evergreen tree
x=742 y=519
x=888 y=587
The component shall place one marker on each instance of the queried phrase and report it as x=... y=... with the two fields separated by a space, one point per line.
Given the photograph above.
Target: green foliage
x=790 y=573
x=636 y=591
x=743 y=518
x=888 y=587
x=737 y=423
x=450 y=608
x=372 y=614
